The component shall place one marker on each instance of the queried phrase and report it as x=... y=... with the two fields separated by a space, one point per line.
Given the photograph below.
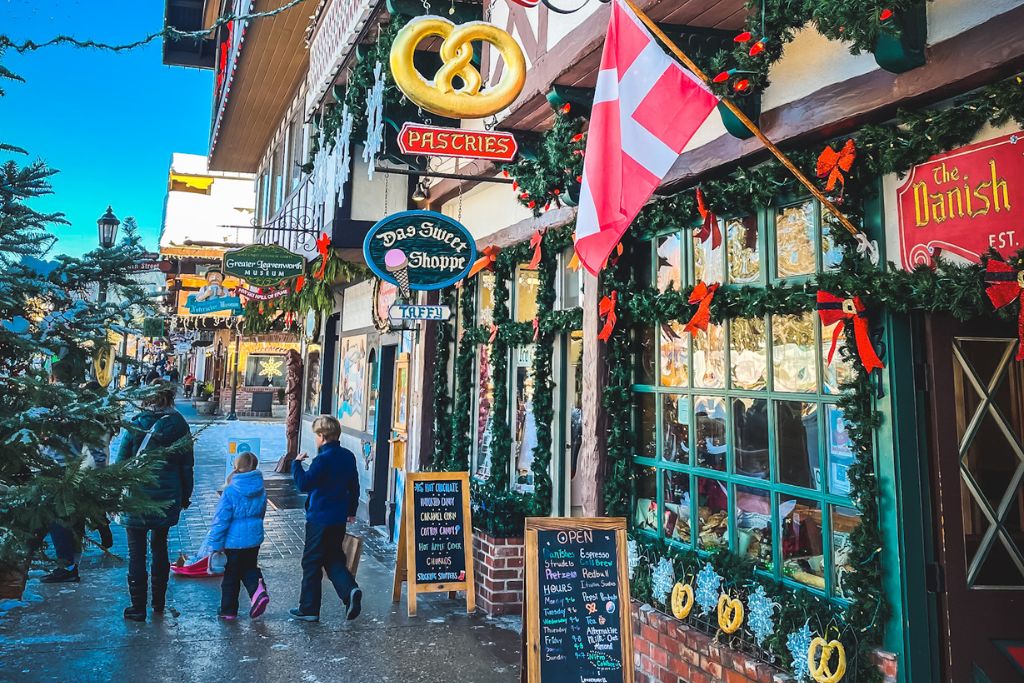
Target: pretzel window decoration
x=730 y=613
x=682 y=600
x=439 y=96
x=820 y=670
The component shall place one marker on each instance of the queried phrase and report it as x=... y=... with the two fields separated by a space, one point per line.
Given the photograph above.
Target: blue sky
x=108 y=121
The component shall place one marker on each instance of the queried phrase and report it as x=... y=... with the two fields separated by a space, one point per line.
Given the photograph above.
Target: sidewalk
x=76 y=632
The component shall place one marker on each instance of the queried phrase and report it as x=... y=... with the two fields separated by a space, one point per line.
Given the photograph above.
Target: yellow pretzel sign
x=819 y=668
x=682 y=600
x=730 y=613
x=103 y=364
x=439 y=96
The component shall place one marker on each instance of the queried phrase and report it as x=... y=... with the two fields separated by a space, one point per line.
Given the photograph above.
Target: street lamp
x=108 y=224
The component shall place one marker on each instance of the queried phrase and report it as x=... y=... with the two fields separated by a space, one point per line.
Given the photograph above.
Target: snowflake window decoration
x=374 y=119
x=798 y=643
x=632 y=556
x=332 y=163
x=270 y=368
x=709 y=585
x=760 y=610
x=343 y=154
x=663 y=578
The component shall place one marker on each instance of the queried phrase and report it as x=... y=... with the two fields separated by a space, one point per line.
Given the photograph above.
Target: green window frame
x=740 y=444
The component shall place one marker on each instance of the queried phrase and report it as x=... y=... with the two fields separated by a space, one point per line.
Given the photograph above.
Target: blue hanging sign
x=419 y=250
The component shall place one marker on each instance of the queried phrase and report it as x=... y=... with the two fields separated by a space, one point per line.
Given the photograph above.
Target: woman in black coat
x=161 y=430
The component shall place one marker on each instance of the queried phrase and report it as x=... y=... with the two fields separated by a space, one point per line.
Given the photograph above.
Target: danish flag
x=646 y=108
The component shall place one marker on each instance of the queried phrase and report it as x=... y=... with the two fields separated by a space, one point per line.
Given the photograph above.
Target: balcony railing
x=333 y=37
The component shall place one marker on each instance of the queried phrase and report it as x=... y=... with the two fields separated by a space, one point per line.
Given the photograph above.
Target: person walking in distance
x=332 y=483
x=161 y=430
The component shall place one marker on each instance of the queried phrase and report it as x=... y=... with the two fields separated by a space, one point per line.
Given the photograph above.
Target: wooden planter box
x=498 y=564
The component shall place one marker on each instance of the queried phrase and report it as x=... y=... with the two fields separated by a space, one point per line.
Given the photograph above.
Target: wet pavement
x=75 y=632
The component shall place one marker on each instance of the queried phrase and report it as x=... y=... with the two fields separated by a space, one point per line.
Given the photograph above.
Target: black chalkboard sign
x=578 y=623
x=436 y=540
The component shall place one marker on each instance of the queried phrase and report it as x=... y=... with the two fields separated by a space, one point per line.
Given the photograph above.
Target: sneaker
x=227 y=616
x=260 y=600
x=355 y=604
x=135 y=613
x=297 y=614
x=62 y=575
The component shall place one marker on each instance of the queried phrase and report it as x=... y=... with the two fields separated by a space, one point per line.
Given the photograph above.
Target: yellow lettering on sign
x=960 y=201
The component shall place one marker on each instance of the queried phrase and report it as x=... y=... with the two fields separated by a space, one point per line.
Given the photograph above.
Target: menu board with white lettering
x=435 y=546
x=579 y=628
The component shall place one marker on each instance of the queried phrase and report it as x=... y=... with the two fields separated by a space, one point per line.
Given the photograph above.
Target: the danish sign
x=419 y=250
x=964 y=202
x=436 y=141
x=402 y=312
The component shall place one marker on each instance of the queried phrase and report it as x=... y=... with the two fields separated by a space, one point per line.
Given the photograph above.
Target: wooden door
x=977 y=463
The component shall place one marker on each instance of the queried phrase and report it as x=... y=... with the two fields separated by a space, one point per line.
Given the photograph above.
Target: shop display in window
x=484 y=413
x=669 y=273
x=709 y=357
x=803 y=556
x=743 y=253
x=754 y=525
x=712 y=514
x=264 y=371
x=525 y=433
x=795 y=241
x=674 y=356
x=794 y=359
x=712 y=437
x=748 y=353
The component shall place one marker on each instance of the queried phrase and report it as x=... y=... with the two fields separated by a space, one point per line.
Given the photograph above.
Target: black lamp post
x=107 y=226
x=234 y=381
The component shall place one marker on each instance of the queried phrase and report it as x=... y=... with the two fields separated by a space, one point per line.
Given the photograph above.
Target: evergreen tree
x=51 y=327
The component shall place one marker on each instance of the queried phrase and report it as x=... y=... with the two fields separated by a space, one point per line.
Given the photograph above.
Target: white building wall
x=223 y=215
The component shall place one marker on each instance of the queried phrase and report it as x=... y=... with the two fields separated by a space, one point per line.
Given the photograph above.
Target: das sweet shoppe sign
x=964 y=202
x=419 y=250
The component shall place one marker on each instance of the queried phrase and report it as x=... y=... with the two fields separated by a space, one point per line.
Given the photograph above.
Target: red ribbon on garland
x=710 y=227
x=485 y=261
x=494 y=333
x=606 y=310
x=833 y=164
x=323 y=246
x=536 y=242
x=536 y=328
x=702 y=294
x=836 y=309
x=300 y=282
x=1005 y=285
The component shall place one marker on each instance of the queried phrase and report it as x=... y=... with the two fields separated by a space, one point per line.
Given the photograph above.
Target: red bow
x=832 y=164
x=710 y=227
x=536 y=328
x=323 y=245
x=535 y=243
x=1005 y=285
x=300 y=282
x=494 y=333
x=617 y=252
x=836 y=309
x=701 y=295
x=606 y=310
x=486 y=260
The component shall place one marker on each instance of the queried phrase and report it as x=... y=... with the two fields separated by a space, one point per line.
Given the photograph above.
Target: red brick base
x=498 y=567
x=667 y=651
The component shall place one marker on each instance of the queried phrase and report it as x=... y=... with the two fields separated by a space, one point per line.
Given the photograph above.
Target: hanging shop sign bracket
x=436 y=141
x=433 y=174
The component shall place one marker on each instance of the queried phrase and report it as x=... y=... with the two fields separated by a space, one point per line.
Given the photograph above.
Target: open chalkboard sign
x=577 y=617
x=435 y=544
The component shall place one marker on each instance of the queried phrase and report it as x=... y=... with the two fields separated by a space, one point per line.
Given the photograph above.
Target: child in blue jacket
x=237 y=529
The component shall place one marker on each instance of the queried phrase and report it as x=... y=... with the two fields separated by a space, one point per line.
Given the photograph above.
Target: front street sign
x=404 y=312
x=263 y=264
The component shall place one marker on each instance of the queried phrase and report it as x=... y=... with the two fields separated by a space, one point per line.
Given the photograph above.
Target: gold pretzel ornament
x=819 y=669
x=440 y=96
x=730 y=613
x=103 y=364
x=682 y=600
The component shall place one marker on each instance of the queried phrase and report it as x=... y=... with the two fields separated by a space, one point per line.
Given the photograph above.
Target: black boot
x=137 y=591
x=159 y=594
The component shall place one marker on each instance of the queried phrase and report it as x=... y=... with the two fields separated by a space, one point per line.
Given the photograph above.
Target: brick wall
x=498 y=568
x=668 y=651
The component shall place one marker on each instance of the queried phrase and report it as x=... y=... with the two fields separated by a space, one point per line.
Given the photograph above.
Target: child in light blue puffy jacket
x=237 y=529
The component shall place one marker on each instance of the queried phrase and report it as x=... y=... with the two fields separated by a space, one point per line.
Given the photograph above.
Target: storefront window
x=485 y=299
x=484 y=413
x=312 y=406
x=572 y=282
x=527 y=284
x=524 y=434
x=739 y=443
x=264 y=371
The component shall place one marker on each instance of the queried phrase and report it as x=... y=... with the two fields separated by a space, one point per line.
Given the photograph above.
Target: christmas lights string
x=168 y=32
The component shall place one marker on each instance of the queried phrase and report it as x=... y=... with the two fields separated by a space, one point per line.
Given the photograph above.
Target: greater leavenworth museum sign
x=264 y=264
x=964 y=202
x=419 y=250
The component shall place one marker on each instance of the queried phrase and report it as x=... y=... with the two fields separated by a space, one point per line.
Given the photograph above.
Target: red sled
x=197 y=570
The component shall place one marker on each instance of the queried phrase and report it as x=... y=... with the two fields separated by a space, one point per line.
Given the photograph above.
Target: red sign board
x=964 y=202
x=456 y=142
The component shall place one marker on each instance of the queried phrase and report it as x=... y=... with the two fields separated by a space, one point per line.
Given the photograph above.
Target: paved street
x=76 y=632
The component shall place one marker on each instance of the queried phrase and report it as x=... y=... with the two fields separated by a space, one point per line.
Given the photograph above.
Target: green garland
x=442 y=397
x=461 y=418
x=550 y=177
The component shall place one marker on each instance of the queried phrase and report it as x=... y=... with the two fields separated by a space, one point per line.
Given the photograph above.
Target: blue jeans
x=323 y=553
x=65 y=545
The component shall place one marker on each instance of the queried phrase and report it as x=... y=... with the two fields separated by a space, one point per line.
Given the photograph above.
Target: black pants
x=160 y=567
x=323 y=553
x=242 y=568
